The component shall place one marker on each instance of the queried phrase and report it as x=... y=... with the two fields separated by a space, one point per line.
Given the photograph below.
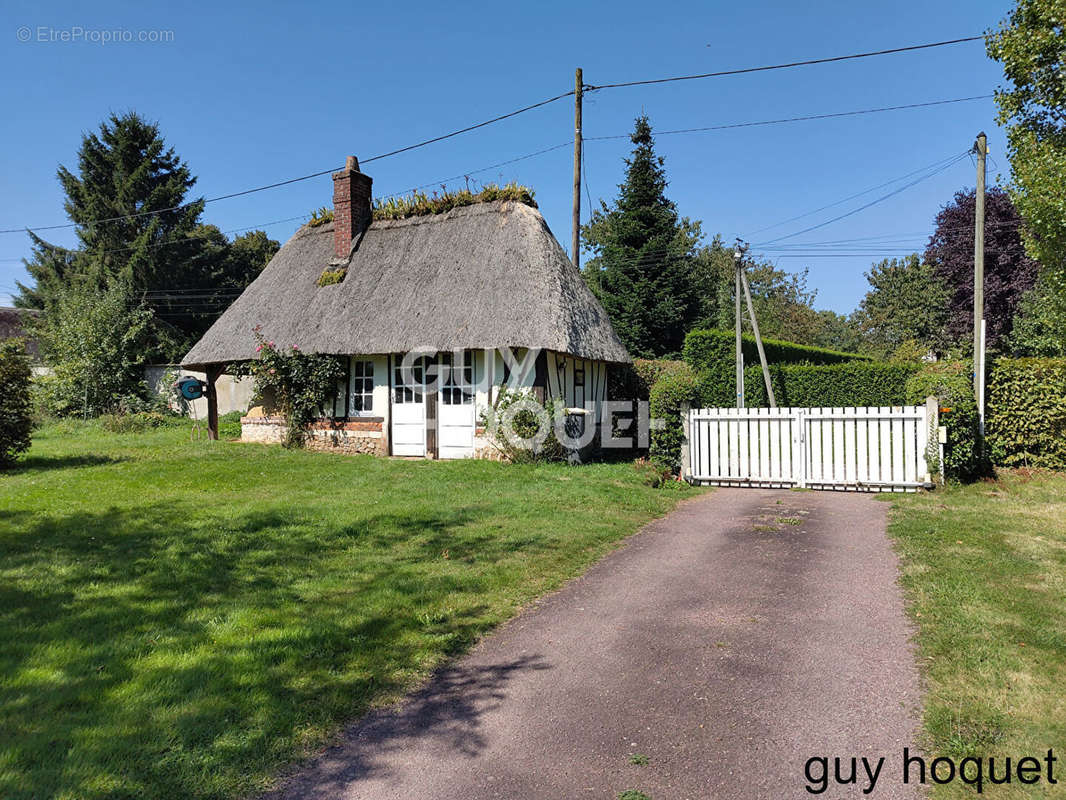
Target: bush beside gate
x=1025 y=420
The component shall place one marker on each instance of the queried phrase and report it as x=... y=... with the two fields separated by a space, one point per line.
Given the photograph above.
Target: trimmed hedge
x=669 y=393
x=856 y=383
x=713 y=354
x=1025 y=421
x=952 y=383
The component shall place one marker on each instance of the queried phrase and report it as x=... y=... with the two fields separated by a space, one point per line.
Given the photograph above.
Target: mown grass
x=180 y=618
x=984 y=568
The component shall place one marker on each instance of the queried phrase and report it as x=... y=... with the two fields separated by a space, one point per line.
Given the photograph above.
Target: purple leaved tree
x=1009 y=272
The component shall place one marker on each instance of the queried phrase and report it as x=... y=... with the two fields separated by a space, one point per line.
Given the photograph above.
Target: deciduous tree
x=1031 y=45
x=906 y=306
x=1009 y=271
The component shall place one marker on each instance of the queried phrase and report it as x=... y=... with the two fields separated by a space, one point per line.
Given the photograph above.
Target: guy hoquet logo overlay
x=419 y=367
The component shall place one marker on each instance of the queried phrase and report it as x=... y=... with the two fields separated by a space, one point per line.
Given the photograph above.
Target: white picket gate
x=853 y=449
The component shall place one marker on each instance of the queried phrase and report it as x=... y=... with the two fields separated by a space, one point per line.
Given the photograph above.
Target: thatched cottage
x=472 y=290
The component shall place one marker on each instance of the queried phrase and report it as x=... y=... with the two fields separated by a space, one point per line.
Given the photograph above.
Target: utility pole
x=575 y=242
x=758 y=341
x=981 y=149
x=738 y=255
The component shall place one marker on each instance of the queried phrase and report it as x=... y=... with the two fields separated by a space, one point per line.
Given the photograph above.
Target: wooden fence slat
x=788 y=432
x=850 y=448
x=764 y=443
x=884 y=446
x=897 y=450
x=743 y=445
x=815 y=460
x=838 y=445
x=910 y=455
x=923 y=447
x=862 y=438
x=714 y=456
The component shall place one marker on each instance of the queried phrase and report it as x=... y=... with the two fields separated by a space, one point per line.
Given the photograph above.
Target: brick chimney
x=351 y=206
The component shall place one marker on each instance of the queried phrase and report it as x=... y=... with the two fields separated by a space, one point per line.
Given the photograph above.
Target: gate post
x=686 y=437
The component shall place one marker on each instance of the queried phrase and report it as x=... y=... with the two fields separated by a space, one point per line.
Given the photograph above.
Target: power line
x=800 y=119
x=275 y=185
x=880 y=199
x=789 y=65
x=492 y=166
x=492 y=121
x=851 y=197
x=471 y=127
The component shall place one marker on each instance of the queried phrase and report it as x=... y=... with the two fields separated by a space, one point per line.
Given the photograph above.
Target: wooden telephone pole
x=738 y=256
x=980 y=148
x=575 y=241
x=742 y=282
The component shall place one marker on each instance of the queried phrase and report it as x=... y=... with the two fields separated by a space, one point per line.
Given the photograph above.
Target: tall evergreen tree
x=136 y=231
x=643 y=256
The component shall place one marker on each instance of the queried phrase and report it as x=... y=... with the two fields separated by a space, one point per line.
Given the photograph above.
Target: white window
x=457 y=380
x=410 y=382
x=361 y=395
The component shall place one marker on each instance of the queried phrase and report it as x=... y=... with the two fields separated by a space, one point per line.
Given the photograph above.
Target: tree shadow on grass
x=157 y=652
x=35 y=463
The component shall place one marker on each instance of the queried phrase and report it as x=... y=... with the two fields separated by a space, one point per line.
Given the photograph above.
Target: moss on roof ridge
x=419 y=204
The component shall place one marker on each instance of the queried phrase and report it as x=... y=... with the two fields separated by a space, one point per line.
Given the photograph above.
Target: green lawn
x=984 y=567
x=180 y=618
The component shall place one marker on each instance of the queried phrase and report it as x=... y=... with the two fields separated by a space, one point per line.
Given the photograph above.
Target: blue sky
x=250 y=94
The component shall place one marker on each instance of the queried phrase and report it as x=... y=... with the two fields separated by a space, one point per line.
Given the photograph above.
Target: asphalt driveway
x=728 y=643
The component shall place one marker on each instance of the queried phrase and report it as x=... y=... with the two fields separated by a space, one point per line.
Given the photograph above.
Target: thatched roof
x=482 y=276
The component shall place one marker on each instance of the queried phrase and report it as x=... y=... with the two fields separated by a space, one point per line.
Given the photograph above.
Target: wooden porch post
x=213 y=373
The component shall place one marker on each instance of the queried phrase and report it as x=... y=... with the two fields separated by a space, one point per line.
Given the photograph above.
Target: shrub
x=713 y=354
x=669 y=393
x=855 y=383
x=95 y=341
x=1025 y=419
x=951 y=382
x=16 y=417
x=522 y=428
x=300 y=384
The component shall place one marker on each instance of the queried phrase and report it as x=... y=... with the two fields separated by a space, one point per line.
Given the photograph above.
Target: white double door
x=433 y=406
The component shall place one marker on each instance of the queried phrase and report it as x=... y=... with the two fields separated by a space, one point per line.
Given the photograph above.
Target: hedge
x=713 y=353
x=1025 y=421
x=858 y=383
x=670 y=392
x=952 y=383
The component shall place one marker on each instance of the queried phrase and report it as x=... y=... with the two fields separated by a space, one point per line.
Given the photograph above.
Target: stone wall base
x=350 y=438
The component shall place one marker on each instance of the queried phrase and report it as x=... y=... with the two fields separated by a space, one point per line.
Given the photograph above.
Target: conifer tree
x=137 y=231
x=643 y=264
